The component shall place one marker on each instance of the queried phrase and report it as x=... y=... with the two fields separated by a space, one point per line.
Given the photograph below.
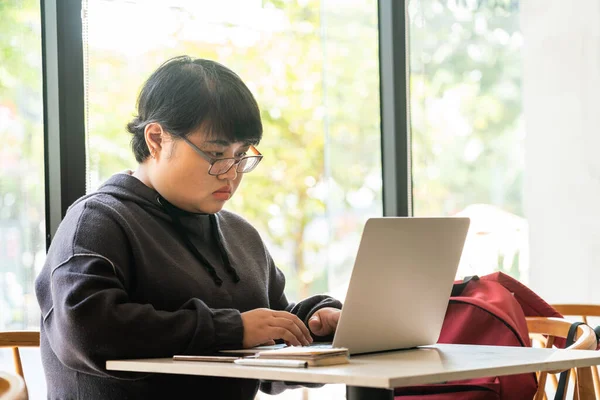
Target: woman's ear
x=153 y=134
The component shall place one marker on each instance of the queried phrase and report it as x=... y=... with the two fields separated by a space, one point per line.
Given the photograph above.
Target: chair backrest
x=12 y=387
x=585 y=339
x=16 y=339
x=583 y=312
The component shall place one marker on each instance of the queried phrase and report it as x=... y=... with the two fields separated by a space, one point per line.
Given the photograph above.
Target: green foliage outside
x=466 y=105
x=22 y=234
x=317 y=82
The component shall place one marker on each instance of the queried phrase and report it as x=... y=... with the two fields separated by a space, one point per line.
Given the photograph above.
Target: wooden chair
x=547 y=330
x=12 y=387
x=582 y=312
x=16 y=339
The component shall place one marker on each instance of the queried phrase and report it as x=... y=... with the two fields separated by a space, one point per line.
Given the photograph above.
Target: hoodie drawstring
x=173 y=213
x=214 y=226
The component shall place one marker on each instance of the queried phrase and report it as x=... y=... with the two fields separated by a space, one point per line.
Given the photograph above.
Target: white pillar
x=561 y=99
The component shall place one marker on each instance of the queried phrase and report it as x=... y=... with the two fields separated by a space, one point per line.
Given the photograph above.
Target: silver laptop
x=401 y=283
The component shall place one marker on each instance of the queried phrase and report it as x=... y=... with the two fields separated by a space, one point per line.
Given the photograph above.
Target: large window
x=22 y=208
x=467 y=126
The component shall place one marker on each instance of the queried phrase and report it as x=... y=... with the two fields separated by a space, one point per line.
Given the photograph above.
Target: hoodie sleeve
x=303 y=309
x=88 y=317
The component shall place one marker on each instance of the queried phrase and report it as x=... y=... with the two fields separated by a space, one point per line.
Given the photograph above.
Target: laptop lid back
x=401 y=282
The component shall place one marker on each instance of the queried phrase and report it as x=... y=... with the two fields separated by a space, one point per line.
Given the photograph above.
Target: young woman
x=151 y=266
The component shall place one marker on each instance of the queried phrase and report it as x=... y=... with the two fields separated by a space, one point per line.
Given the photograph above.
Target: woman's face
x=181 y=175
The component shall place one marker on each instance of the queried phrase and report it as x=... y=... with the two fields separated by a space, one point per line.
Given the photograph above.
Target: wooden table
x=374 y=376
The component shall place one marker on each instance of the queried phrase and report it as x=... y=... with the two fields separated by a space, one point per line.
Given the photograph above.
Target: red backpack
x=489 y=310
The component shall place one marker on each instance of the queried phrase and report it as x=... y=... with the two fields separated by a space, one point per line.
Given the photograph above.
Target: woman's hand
x=324 y=321
x=264 y=326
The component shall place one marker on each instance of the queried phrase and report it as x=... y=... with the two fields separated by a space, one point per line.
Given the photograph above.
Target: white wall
x=562 y=117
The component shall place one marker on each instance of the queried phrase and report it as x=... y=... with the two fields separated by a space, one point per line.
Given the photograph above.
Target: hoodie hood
x=127 y=188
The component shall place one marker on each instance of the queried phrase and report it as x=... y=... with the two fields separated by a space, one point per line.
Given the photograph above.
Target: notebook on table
x=312 y=356
x=289 y=356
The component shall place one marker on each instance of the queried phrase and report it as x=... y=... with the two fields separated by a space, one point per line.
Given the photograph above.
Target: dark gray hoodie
x=127 y=276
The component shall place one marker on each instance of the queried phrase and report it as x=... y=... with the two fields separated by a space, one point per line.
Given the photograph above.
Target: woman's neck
x=141 y=173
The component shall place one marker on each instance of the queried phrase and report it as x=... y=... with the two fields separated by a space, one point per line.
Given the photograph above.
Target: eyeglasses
x=220 y=166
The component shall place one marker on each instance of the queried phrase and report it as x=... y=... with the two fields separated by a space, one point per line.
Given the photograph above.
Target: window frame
x=64 y=108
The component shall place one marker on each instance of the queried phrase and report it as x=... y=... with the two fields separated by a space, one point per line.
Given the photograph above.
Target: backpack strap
x=597 y=331
x=564 y=376
x=458 y=288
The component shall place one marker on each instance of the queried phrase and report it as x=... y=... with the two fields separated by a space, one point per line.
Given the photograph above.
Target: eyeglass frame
x=237 y=161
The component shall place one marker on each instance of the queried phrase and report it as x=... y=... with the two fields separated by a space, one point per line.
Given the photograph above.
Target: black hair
x=184 y=94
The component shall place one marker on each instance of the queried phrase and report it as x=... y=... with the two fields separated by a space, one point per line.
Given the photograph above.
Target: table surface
x=427 y=364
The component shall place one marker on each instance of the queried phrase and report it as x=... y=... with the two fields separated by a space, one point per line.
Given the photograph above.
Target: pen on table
x=271 y=363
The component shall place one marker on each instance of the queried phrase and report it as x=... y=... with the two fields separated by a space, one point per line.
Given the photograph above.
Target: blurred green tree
x=316 y=80
x=21 y=161
x=466 y=105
